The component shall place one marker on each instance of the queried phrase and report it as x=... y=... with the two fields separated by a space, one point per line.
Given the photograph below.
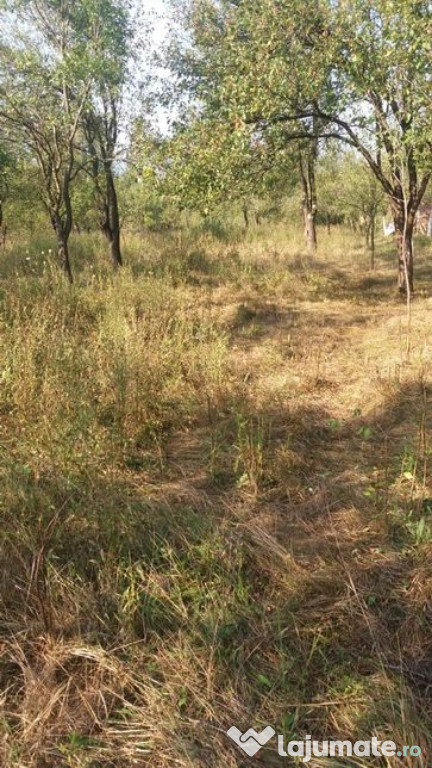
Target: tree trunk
x=63 y=256
x=101 y=140
x=310 y=227
x=115 y=250
x=62 y=230
x=404 y=231
x=370 y=229
x=3 y=227
x=113 y=237
x=309 y=201
x=372 y=241
x=112 y=227
x=246 y=216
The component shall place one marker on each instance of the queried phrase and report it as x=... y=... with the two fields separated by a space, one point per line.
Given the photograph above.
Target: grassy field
x=215 y=475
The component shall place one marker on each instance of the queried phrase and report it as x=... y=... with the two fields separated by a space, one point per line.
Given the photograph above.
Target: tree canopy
x=284 y=72
x=58 y=62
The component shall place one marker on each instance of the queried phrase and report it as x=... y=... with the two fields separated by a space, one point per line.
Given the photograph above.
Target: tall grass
x=200 y=525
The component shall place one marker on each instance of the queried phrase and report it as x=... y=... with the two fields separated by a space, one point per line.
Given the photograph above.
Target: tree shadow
x=302 y=584
x=352 y=528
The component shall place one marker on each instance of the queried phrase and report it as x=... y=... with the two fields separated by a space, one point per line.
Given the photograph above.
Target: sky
x=158 y=8
x=157 y=13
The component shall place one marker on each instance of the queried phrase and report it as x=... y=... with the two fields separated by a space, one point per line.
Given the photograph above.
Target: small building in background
x=423 y=222
x=388 y=228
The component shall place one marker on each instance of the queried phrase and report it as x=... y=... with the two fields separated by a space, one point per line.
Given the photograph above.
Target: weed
x=198 y=528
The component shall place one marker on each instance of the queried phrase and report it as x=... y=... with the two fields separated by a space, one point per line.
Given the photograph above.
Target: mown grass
x=216 y=501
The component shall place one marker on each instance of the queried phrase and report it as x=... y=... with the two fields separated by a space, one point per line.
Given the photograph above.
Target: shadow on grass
x=275 y=569
x=306 y=591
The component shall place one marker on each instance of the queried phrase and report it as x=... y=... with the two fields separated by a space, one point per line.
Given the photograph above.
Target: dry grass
x=217 y=504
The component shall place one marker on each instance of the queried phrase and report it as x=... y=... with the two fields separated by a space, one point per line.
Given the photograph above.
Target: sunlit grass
x=215 y=497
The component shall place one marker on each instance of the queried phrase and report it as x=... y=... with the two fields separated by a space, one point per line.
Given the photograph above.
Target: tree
x=101 y=119
x=6 y=170
x=101 y=132
x=84 y=204
x=359 y=71
x=20 y=206
x=147 y=200
x=222 y=69
x=307 y=165
x=350 y=191
x=383 y=67
x=44 y=84
x=48 y=67
x=208 y=163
